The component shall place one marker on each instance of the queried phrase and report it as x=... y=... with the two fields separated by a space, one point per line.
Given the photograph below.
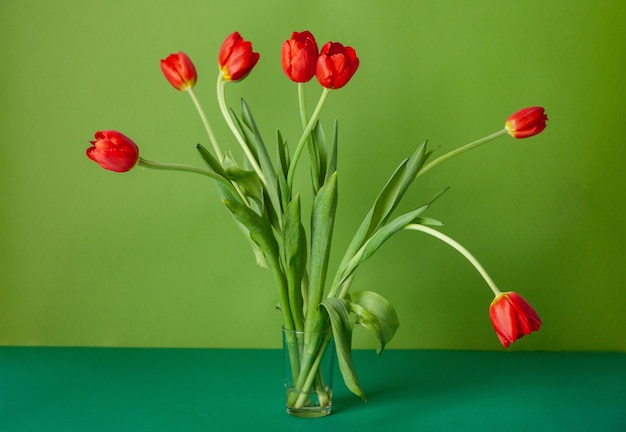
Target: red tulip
x=512 y=317
x=113 y=151
x=236 y=58
x=526 y=122
x=299 y=56
x=179 y=71
x=336 y=64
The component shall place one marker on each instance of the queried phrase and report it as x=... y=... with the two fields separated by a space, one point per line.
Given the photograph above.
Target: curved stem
x=460 y=150
x=231 y=124
x=305 y=135
x=444 y=238
x=187 y=168
x=207 y=125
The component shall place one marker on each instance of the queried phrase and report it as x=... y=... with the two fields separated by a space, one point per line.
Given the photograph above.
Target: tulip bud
x=336 y=64
x=512 y=317
x=299 y=56
x=526 y=122
x=179 y=71
x=236 y=58
x=113 y=151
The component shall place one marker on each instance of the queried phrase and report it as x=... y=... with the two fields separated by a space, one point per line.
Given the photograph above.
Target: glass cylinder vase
x=309 y=359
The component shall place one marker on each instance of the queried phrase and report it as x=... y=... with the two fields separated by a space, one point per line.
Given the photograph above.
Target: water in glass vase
x=308 y=363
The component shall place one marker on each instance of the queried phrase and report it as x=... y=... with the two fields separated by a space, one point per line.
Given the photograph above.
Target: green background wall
x=146 y=258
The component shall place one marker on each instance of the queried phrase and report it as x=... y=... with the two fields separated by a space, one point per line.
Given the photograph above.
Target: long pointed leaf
x=375 y=242
x=248 y=181
x=253 y=138
x=261 y=234
x=263 y=156
x=318 y=138
x=385 y=232
x=283 y=154
x=259 y=228
x=230 y=195
x=213 y=163
x=342 y=332
x=294 y=245
x=385 y=203
x=283 y=162
x=322 y=223
x=370 y=222
x=332 y=153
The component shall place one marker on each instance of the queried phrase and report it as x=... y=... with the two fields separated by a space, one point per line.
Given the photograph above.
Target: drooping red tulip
x=113 y=151
x=512 y=317
x=526 y=122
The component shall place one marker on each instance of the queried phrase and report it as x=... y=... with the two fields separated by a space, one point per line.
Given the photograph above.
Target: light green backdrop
x=146 y=258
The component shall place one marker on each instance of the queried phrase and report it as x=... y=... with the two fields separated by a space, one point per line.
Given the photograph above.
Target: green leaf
x=272 y=215
x=283 y=154
x=388 y=230
x=254 y=137
x=248 y=181
x=210 y=160
x=224 y=185
x=283 y=159
x=294 y=245
x=322 y=223
x=332 y=154
x=228 y=194
x=376 y=314
x=377 y=240
x=342 y=332
x=318 y=138
x=262 y=235
x=285 y=193
x=251 y=135
x=394 y=190
x=258 y=227
x=385 y=203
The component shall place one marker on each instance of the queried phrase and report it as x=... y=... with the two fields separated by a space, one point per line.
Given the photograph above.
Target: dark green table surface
x=118 y=389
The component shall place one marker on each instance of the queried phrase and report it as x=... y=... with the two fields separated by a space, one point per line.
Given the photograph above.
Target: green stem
x=302 y=105
x=315 y=171
x=221 y=83
x=187 y=168
x=311 y=369
x=460 y=150
x=305 y=135
x=207 y=125
x=444 y=238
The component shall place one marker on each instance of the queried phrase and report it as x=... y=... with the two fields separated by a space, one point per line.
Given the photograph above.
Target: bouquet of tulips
x=258 y=191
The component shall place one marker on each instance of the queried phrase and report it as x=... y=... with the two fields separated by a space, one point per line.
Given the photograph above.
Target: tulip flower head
x=236 y=58
x=512 y=317
x=299 y=56
x=179 y=71
x=336 y=65
x=113 y=151
x=526 y=122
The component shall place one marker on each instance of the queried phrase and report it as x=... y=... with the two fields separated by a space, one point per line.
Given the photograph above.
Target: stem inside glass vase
x=309 y=362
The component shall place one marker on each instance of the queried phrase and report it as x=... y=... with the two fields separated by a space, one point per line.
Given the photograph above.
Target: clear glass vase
x=309 y=359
